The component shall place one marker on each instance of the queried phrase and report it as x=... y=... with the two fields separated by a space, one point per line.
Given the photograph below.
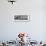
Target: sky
x=9 y=29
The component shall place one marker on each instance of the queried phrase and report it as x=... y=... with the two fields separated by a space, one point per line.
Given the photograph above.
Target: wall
x=37 y=27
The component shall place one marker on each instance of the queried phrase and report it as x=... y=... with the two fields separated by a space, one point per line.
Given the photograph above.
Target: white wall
x=36 y=27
